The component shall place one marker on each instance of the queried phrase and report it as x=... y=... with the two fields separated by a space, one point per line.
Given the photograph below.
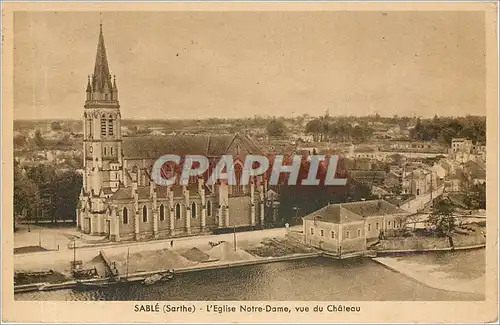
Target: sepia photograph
x=251 y=161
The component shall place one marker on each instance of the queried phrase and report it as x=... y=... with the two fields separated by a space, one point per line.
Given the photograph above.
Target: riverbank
x=415 y=272
x=437 y=275
x=193 y=254
x=306 y=279
x=133 y=260
x=470 y=235
x=141 y=276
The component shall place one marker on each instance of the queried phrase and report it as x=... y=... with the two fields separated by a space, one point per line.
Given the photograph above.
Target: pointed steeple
x=89 y=87
x=101 y=68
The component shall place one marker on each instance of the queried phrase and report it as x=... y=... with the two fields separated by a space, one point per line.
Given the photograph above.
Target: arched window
x=237 y=188
x=105 y=151
x=162 y=213
x=125 y=216
x=209 y=208
x=144 y=214
x=178 y=211
x=193 y=210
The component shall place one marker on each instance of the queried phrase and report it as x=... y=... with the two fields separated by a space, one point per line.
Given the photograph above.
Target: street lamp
x=234 y=236
x=296 y=209
x=74 y=252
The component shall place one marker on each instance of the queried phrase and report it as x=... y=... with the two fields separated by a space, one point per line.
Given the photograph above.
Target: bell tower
x=102 y=142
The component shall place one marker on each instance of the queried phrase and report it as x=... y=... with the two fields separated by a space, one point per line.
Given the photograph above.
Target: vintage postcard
x=249 y=162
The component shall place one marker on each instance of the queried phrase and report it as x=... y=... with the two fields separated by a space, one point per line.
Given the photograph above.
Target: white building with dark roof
x=350 y=227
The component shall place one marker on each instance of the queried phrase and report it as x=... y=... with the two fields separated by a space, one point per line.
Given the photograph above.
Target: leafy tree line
x=324 y=129
x=476 y=198
x=276 y=128
x=39 y=142
x=444 y=129
x=298 y=201
x=44 y=187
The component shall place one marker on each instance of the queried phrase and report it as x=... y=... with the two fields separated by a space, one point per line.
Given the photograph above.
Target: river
x=320 y=279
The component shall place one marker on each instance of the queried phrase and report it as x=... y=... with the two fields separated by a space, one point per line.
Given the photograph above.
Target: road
x=420 y=201
x=60 y=260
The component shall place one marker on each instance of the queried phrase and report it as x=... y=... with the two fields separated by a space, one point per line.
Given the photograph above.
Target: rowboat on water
x=159 y=277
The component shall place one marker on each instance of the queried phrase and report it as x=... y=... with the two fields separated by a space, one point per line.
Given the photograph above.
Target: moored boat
x=89 y=285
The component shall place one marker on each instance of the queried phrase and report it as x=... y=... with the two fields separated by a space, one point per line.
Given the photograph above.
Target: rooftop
x=354 y=211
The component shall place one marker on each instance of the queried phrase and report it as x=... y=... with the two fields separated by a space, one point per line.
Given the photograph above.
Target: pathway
x=60 y=260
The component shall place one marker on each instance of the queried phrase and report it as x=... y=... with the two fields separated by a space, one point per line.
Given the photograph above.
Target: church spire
x=101 y=68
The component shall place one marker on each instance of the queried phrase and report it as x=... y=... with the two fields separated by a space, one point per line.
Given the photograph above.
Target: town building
x=351 y=227
x=420 y=181
x=454 y=182
x=461 y=145
x=119 y=198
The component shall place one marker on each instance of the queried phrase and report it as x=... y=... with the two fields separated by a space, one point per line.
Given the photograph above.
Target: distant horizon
x=251 y=117
x=194 y=65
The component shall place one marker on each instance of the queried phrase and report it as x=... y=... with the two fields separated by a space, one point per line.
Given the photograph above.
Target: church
x=119 y=199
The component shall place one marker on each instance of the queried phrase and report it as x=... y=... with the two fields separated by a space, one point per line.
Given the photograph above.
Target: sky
x=172 y=65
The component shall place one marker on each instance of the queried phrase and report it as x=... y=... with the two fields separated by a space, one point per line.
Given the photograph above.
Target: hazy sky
x=235 y=64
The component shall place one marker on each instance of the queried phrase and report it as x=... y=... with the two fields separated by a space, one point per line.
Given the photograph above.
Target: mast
x=432 y=201
x=74 y=253
x=128 y=258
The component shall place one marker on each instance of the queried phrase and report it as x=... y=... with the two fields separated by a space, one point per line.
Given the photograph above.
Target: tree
x=275 y=128
x=45 y=179
x=477 y=197
x=314 y=128
x=396 y=158
x=39 y=140
x=20 y=141
x=441 y=218
x=26 y=193
x=65 y=141
x=397 y=189
x=66 y=194
x=359 y=191
x=55 y=126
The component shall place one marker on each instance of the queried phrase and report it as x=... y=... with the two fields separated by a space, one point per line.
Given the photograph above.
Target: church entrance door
x=87 y=226
x=108 y=228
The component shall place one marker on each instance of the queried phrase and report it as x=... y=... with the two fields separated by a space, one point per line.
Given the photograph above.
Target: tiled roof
x=367 y=174
x=372 y=208
x=157 y=146
x=334 y=213
x=122 y=194
x=354 y=211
